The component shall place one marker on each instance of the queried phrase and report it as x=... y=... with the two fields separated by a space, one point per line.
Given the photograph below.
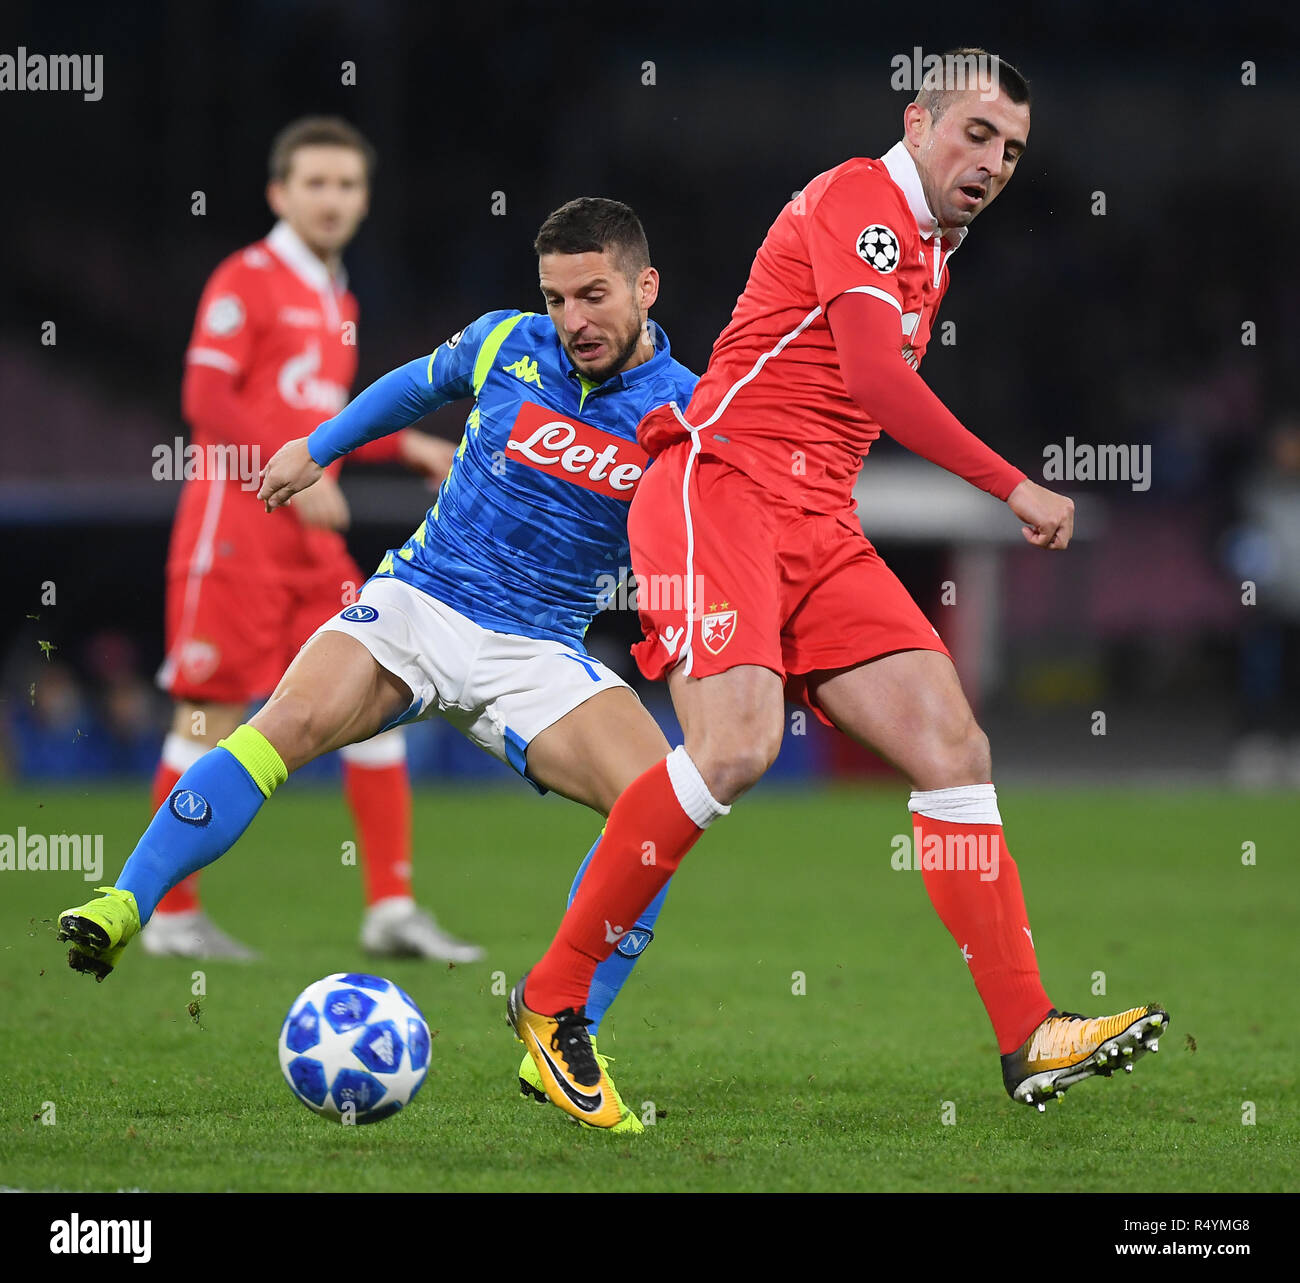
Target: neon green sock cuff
x=255 y=753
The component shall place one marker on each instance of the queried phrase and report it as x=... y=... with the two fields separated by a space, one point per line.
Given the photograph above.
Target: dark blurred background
x=1125 y=327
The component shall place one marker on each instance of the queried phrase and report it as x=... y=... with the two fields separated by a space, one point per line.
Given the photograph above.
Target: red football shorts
x=728 y=574
x=232 y=631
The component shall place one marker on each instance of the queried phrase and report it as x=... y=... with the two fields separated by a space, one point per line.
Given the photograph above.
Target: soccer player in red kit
x=749 y=506
x=273 y=352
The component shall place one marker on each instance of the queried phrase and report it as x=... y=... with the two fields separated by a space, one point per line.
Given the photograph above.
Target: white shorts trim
x=500 y=690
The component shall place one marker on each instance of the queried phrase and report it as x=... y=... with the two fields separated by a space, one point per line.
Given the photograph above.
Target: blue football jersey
x=529 y=528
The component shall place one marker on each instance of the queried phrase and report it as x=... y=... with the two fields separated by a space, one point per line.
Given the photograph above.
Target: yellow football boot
x=99 y=931
x=560 y=1047
x=530 y=1084
x=1067 y=1048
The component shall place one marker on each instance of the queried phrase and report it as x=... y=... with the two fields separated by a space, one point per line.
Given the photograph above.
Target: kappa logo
x=359 y=614
x=525 y=370
x=191 y=807
x=717 y=628
x=878 y=246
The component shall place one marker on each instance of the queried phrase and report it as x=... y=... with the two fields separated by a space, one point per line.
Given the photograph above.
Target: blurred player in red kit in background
x=273 y=353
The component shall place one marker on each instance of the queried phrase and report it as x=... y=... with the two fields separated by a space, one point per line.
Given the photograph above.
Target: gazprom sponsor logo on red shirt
x=302 y=389
x=576 y=452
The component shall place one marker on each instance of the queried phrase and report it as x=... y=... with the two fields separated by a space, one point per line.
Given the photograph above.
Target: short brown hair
x=317 y=131
x=1010 y=82
x=596 y=225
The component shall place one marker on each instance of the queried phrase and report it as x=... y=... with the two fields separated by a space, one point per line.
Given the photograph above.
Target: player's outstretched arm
x=389 y=404
x=878 y=379
x=291 y=469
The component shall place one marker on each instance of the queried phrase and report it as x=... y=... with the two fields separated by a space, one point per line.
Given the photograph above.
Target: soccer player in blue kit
x=480 y=616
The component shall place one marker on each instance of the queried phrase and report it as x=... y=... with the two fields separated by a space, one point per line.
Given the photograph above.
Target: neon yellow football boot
x=1067 y=1048
x=530 y=1084
x=99 y=931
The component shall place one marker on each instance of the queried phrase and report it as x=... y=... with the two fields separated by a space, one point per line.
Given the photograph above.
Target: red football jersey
x=772 y=400
x=247 y=587
x=271 y=317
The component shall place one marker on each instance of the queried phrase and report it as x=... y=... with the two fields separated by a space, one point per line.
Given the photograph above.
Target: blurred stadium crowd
x=1122 y=327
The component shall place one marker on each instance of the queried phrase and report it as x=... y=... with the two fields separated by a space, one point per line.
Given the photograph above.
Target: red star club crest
x=717 y=627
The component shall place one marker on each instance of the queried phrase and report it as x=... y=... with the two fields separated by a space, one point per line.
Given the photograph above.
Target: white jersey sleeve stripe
x=877 y=293
x=210 y=356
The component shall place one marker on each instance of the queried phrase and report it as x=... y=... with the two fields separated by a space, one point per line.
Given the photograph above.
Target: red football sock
x=647 y=834
x=184 y=896
x=982 y=905
x=380 y=798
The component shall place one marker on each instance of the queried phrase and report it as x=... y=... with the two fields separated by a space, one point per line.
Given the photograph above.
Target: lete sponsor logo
x=576 y=452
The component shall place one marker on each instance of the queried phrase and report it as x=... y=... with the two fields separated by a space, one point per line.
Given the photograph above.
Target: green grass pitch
x=755 y=1086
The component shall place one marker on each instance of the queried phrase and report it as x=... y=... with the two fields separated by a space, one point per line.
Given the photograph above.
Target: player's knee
x=959 y=756
x=735 y=764
x=979 y=758
x=291 y=724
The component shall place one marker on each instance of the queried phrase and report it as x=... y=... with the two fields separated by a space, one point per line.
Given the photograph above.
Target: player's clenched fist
x=291 y=469
x=1048 y=516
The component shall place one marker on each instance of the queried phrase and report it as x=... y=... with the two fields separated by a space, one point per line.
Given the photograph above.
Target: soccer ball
x=354 y=1048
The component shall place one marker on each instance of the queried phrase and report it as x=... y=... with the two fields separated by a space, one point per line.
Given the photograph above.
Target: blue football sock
x=205 y=815
x=611 y=975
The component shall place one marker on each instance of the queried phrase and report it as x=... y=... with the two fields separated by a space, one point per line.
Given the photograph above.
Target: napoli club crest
x=190 y=806
x=716 y=629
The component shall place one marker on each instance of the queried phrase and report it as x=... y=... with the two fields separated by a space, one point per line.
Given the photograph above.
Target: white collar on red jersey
x=902 y=169
x=292 y=250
